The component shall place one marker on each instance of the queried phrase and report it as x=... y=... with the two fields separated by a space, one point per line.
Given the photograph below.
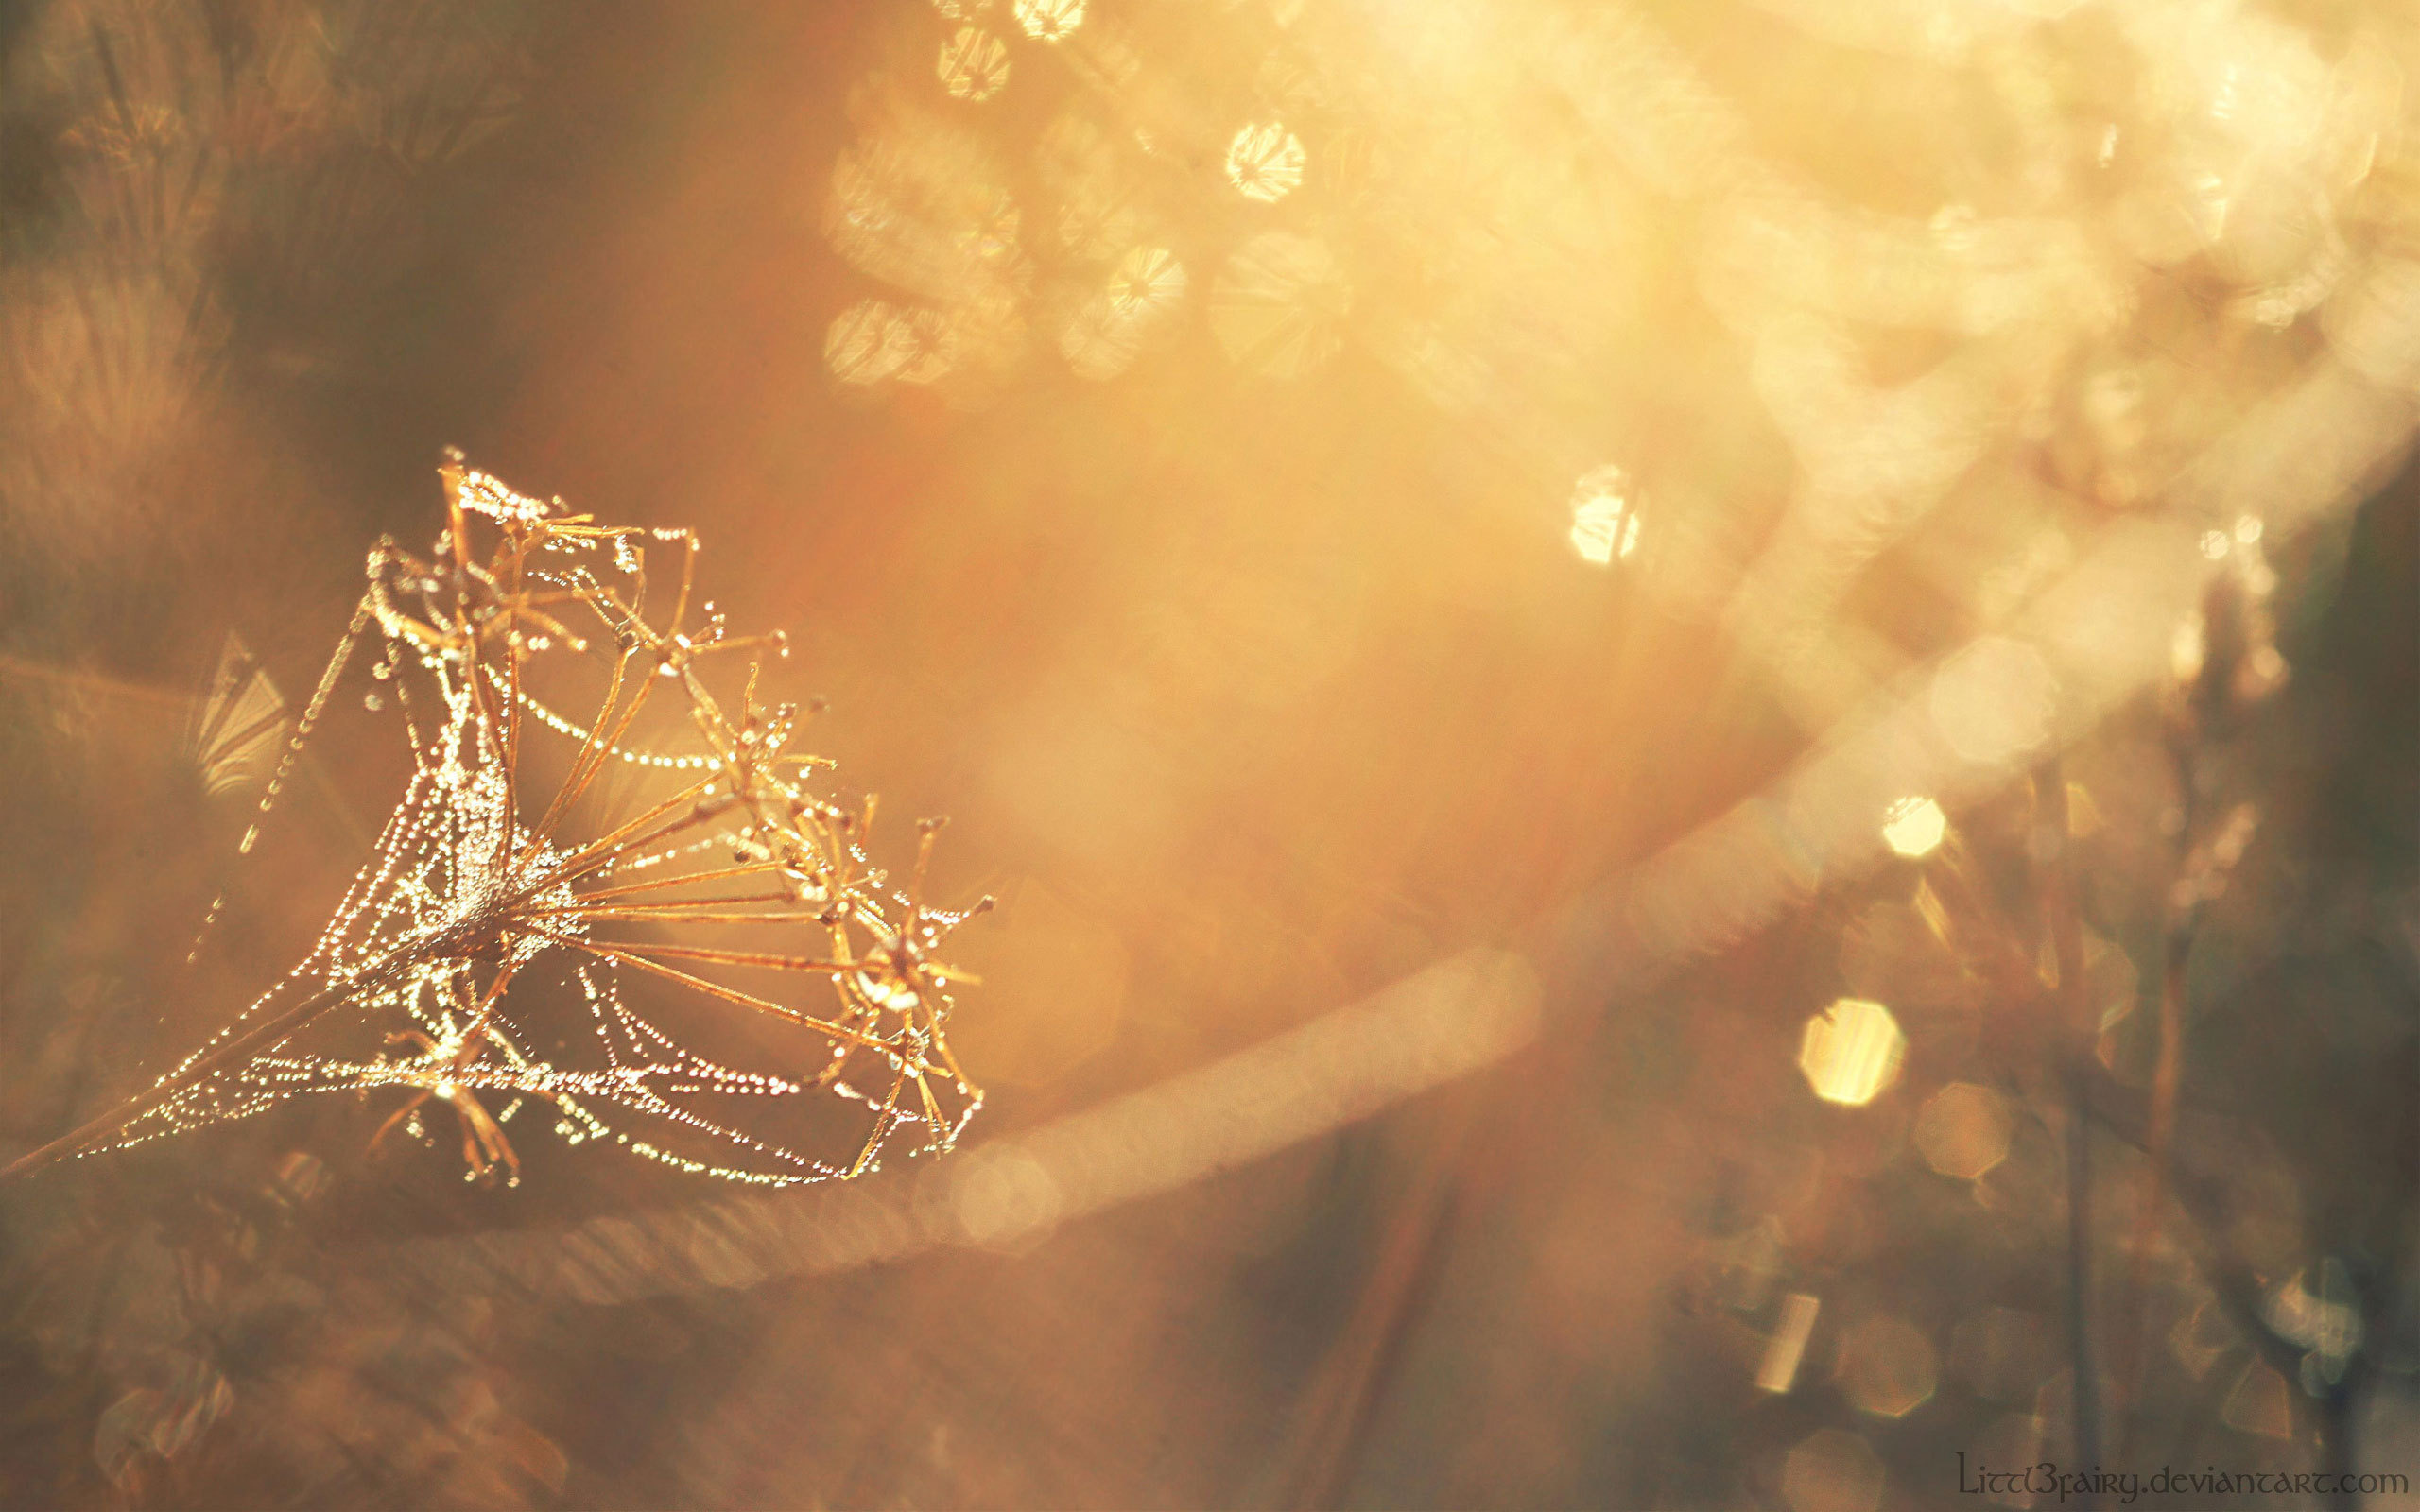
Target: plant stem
x=2085 y=1397
x=2065 y=924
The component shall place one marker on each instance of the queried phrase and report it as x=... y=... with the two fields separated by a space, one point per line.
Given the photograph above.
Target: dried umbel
x=478 y=895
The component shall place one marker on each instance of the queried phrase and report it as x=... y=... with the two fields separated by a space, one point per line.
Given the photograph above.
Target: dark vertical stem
x=2336 y=1457
x=2086 y=1396
x=1339 y=1403
x=2176 y=956
x=2078 y=1028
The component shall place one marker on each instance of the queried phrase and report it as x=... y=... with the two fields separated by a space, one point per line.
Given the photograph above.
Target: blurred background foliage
x=1314 y=487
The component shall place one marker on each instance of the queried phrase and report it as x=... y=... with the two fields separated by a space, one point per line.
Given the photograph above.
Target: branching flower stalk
x=475 y=898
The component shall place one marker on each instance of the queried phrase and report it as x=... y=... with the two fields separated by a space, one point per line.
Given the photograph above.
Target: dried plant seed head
x=513 y=901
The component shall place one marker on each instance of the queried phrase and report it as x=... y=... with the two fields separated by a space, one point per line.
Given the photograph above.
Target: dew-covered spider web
x=484 y=959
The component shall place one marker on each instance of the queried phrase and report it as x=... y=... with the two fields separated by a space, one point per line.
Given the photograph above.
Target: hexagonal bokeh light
x=1963 y=1130
x=1832 y=1470
x=1887 y=1367
x=1851 y=1052
x=1914 y=827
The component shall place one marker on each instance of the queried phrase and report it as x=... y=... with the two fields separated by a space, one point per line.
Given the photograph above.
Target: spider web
x=466 y=895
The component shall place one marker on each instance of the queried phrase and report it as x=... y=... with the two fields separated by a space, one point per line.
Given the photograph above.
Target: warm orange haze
x=1677 y=744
